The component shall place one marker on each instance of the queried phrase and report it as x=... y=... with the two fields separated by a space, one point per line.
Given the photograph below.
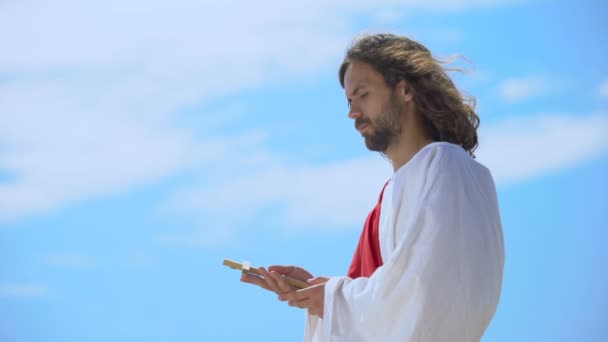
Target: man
x=430 y=259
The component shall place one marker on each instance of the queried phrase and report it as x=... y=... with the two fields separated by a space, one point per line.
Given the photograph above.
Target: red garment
x=367 y=257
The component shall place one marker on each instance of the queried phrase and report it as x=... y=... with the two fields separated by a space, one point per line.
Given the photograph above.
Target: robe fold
x=441 y=258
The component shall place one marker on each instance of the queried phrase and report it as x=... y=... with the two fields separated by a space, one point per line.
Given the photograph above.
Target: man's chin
x=373 y=146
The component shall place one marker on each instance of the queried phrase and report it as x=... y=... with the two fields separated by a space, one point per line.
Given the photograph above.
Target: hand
x=273 y=280
x=310 y=298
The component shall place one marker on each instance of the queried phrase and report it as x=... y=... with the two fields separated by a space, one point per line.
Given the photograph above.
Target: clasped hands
x=310 y=298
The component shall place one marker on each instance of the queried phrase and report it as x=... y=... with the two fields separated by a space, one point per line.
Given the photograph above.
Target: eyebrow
x=357 y=89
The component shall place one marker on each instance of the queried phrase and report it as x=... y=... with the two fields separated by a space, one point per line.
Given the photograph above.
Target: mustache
x=362 y=121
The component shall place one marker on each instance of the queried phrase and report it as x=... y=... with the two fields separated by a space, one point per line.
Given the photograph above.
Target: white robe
x=443 y=256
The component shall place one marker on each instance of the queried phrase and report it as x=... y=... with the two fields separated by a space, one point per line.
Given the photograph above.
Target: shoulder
x=444 y=157
x=440 y=162
x=436 y=157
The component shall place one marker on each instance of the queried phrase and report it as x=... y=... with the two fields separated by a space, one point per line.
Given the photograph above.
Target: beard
x=385 y=129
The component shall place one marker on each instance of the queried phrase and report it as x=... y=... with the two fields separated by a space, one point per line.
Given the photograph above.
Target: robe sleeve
x=442 y=281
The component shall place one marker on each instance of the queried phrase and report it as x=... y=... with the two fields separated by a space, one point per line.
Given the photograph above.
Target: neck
x=402 y=153
x=411 y=140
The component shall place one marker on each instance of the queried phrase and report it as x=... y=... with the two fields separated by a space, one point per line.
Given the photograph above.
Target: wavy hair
x=448 y=115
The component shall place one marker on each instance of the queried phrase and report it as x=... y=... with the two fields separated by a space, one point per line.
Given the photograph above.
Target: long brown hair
x=448 y=115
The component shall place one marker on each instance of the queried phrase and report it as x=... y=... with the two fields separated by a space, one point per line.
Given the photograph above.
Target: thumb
x=317 y=280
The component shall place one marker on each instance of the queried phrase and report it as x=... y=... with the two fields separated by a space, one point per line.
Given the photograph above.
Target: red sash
x=367 y=257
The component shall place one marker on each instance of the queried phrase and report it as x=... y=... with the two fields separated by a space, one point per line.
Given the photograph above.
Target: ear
x=405 y=90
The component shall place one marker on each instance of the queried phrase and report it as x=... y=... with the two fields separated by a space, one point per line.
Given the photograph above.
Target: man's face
x=377 y=115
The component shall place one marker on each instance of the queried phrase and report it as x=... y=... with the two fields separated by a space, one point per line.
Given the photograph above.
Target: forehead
x=360 y=74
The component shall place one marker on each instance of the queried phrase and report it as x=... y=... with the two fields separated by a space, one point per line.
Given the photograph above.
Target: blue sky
x=142 y=143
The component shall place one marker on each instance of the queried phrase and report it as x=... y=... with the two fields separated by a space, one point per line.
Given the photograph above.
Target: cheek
x=375 y=118
x=375 y=112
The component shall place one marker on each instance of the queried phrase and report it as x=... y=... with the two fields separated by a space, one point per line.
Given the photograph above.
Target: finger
x=291 y=295
x=308 y=292
x=281 y=282
x=253 y=279
x=315 y=312
x=302 y=304
x=283 y=270
x=270 y=282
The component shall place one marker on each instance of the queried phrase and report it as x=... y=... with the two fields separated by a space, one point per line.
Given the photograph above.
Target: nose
x=354 y=112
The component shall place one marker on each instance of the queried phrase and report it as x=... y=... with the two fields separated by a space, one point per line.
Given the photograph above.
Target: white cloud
x=60 y=152
x=409 y=7
x=603 y=89
x=524 y=148
x=328 y=196
x=519 y=89
x=22 y=291
x=334 y=196
x=340 y=194
x=67 y=260
x=89 y=90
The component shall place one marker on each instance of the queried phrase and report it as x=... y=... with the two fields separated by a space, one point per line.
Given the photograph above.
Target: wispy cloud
x=307 y=194
x=63 y=147
x=298 y=194
x=603 y=89
x=524 y=148
x=431 y=6
x=523 y=88
x=68 y=260
x=90 y=109
x=338 y=195
x=22 y=291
